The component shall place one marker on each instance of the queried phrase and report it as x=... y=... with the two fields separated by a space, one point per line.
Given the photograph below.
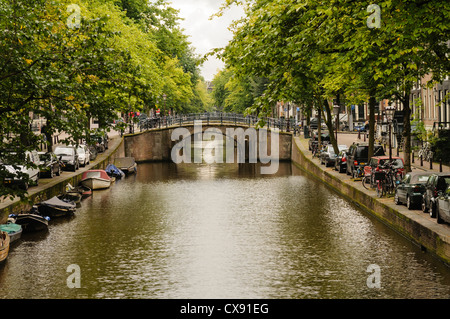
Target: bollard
x=440 y=165
x=431 y=163
x=421 y=160
x=412 y=160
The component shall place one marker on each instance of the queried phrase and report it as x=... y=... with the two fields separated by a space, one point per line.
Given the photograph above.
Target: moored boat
x=126 y=164
x=84 y=191
x=55 y=207
x=4 y=246
x=113 y=171
x=14 y=230
x=31 y=221
x=96 y=179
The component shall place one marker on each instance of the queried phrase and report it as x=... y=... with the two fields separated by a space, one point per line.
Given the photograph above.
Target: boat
x=84 y=191
x=71 y=198
x=31 y=221
x=113 y=171
x=96 y=179
x=55 y=207
x=4 y=246
x=14 y=230
x=126 y=164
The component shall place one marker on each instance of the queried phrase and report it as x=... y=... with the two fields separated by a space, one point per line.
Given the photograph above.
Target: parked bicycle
x=426 y=153
x=387 y=179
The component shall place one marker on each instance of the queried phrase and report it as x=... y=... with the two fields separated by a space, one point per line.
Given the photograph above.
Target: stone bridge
x=156 y=144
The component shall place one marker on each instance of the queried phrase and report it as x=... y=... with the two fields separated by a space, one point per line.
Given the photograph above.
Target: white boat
x=96 y=179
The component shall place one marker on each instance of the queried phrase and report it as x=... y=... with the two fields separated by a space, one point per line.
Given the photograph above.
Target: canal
x=220 y=231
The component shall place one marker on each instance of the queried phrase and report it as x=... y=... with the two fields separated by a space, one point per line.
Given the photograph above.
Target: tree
x=324 y=49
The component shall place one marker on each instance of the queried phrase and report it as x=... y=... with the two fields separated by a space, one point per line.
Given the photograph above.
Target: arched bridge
x=155 y=142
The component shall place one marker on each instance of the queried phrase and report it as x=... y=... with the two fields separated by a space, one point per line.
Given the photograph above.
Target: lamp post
x=336 y=109
x=390 y=111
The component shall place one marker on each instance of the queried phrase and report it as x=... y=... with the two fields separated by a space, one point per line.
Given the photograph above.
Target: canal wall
x=49 y=188
x=414 y=225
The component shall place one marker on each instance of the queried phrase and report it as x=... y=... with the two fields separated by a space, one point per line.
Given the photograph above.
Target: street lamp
x=336 y=109
x=390 y=112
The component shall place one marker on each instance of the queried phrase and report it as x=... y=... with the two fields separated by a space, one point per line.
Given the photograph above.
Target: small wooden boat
x=31 y=221
x=14 y=230
x=126 y=164
x=55 y=207
x=71 y=198
x=84 y=191
x=96 y=179
x=4 y=246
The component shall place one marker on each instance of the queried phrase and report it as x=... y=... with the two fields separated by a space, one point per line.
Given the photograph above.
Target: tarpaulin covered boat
x=113 y=171
x=56 y=207
x=14 y=231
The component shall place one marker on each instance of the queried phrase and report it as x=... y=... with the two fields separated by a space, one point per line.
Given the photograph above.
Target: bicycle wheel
x=380 y=189
x=366 y=182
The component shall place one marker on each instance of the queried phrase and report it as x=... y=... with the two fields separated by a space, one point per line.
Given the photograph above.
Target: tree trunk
x=329 y=122
x=372 y=105
x=319 y=126
x=407 y=130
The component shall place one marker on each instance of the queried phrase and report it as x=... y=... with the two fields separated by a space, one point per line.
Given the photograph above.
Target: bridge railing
x=283 y=125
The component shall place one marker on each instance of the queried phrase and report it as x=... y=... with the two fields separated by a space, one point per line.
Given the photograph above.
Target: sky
x=206 y=34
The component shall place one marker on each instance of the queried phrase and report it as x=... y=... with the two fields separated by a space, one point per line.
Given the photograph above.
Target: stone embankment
x=420 y=228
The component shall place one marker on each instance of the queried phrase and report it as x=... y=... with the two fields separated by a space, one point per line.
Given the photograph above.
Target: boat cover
x=112 y=170
x=56 y=202
x=10 y=228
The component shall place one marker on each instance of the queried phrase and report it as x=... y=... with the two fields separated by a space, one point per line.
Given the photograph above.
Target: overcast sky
x=206 y=34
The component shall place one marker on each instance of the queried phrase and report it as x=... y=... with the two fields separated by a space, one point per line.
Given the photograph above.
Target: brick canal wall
x=49 y=188
x=413 y=225
x=156 y=145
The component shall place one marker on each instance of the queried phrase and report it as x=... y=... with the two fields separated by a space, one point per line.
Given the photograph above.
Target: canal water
x=220 y=231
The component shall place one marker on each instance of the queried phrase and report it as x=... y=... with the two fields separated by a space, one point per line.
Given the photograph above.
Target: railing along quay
x=284 y=125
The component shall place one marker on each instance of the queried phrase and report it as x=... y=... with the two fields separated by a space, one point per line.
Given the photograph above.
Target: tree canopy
x=313 y=51
x=68 y=61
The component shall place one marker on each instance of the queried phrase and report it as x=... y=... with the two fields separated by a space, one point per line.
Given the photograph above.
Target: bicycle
x=426 y=153
x=386 y=179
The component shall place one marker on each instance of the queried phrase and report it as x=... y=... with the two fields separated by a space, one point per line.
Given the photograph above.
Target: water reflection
x=220 y=231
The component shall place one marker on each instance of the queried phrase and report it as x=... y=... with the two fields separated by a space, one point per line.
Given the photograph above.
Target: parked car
x=340 y=164
x=84 y=156
x=68 y=156
x=22 y=174
x=314 y=140
x=443 y=207
x=328 y=156
x=376 y=162
x=437 y=182
x=411 y=189
x=358 y=157
x=49 y=164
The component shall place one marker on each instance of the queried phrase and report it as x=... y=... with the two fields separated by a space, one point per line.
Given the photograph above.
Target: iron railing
x=284 y=125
